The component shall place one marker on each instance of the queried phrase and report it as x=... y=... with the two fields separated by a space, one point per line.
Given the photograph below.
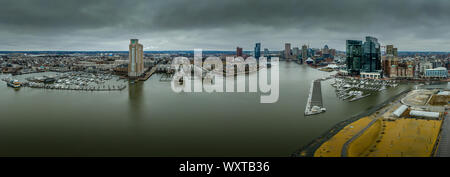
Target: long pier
x=314 y=105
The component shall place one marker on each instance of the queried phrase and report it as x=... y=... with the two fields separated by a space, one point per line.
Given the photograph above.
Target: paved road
x=444 y=143
x=345 y=146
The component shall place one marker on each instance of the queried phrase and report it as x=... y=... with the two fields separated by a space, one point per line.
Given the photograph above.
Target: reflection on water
x=136 y=100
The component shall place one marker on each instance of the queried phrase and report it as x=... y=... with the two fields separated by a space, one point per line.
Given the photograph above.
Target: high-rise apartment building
x=136 y=59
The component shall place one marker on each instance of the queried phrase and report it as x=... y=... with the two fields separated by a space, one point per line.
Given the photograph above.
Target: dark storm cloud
x=224 y=24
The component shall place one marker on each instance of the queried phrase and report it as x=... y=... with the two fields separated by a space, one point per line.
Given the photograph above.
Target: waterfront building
x=354 y=56
x=136 y=59
x=370 y=75
x=257 y=51
x=238 y=51
x=287 y=51
x=402 y=70
x=371 y=55
x=439 y=72
x=363 y=57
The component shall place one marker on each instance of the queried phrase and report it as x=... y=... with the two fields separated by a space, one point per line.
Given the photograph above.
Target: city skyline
x=174 y=25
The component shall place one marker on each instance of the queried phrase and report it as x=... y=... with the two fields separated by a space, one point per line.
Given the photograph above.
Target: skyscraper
x=238 y=52
x=372 y=55
x=363 y=58
x=354 y=54
x=136 y=59
x=287 y=50
x=304 y=52
x=257 y=51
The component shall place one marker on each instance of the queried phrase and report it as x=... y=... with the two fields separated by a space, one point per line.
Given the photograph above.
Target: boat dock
x=119 y=87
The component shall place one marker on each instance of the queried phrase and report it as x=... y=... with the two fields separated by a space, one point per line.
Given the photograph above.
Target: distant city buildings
x=266 y=53
x=304 y=52
x=136 y=59
x=295 y=52
x=393 y=67
x=390 y=50
x=238 y=51
x=287 y=51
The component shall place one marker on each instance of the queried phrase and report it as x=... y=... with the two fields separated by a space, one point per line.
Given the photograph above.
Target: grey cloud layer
x=214 y=24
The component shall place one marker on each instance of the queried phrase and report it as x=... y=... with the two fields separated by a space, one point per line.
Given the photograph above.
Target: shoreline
x=309 y=149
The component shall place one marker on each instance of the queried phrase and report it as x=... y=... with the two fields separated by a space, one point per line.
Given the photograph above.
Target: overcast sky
x=420 y=25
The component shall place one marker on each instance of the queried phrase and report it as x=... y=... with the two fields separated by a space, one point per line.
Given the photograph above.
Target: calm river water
x=149 y=119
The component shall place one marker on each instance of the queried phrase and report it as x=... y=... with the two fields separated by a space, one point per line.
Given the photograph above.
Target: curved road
x=344 y=152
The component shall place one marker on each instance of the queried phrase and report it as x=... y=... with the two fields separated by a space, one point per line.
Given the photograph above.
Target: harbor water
x=149 y=119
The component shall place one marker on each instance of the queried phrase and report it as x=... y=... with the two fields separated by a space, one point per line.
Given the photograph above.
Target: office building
x=257 y=51
x=354 y=56
x=371 y=55
x=363 y=57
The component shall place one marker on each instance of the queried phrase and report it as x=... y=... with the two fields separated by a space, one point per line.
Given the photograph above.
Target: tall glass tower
x=354 y=56
x=363 y=57
x=372 y=55
x=257 y=52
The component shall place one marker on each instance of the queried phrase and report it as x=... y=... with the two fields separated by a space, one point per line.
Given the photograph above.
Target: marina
x=353 y=89
x=81 y=81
